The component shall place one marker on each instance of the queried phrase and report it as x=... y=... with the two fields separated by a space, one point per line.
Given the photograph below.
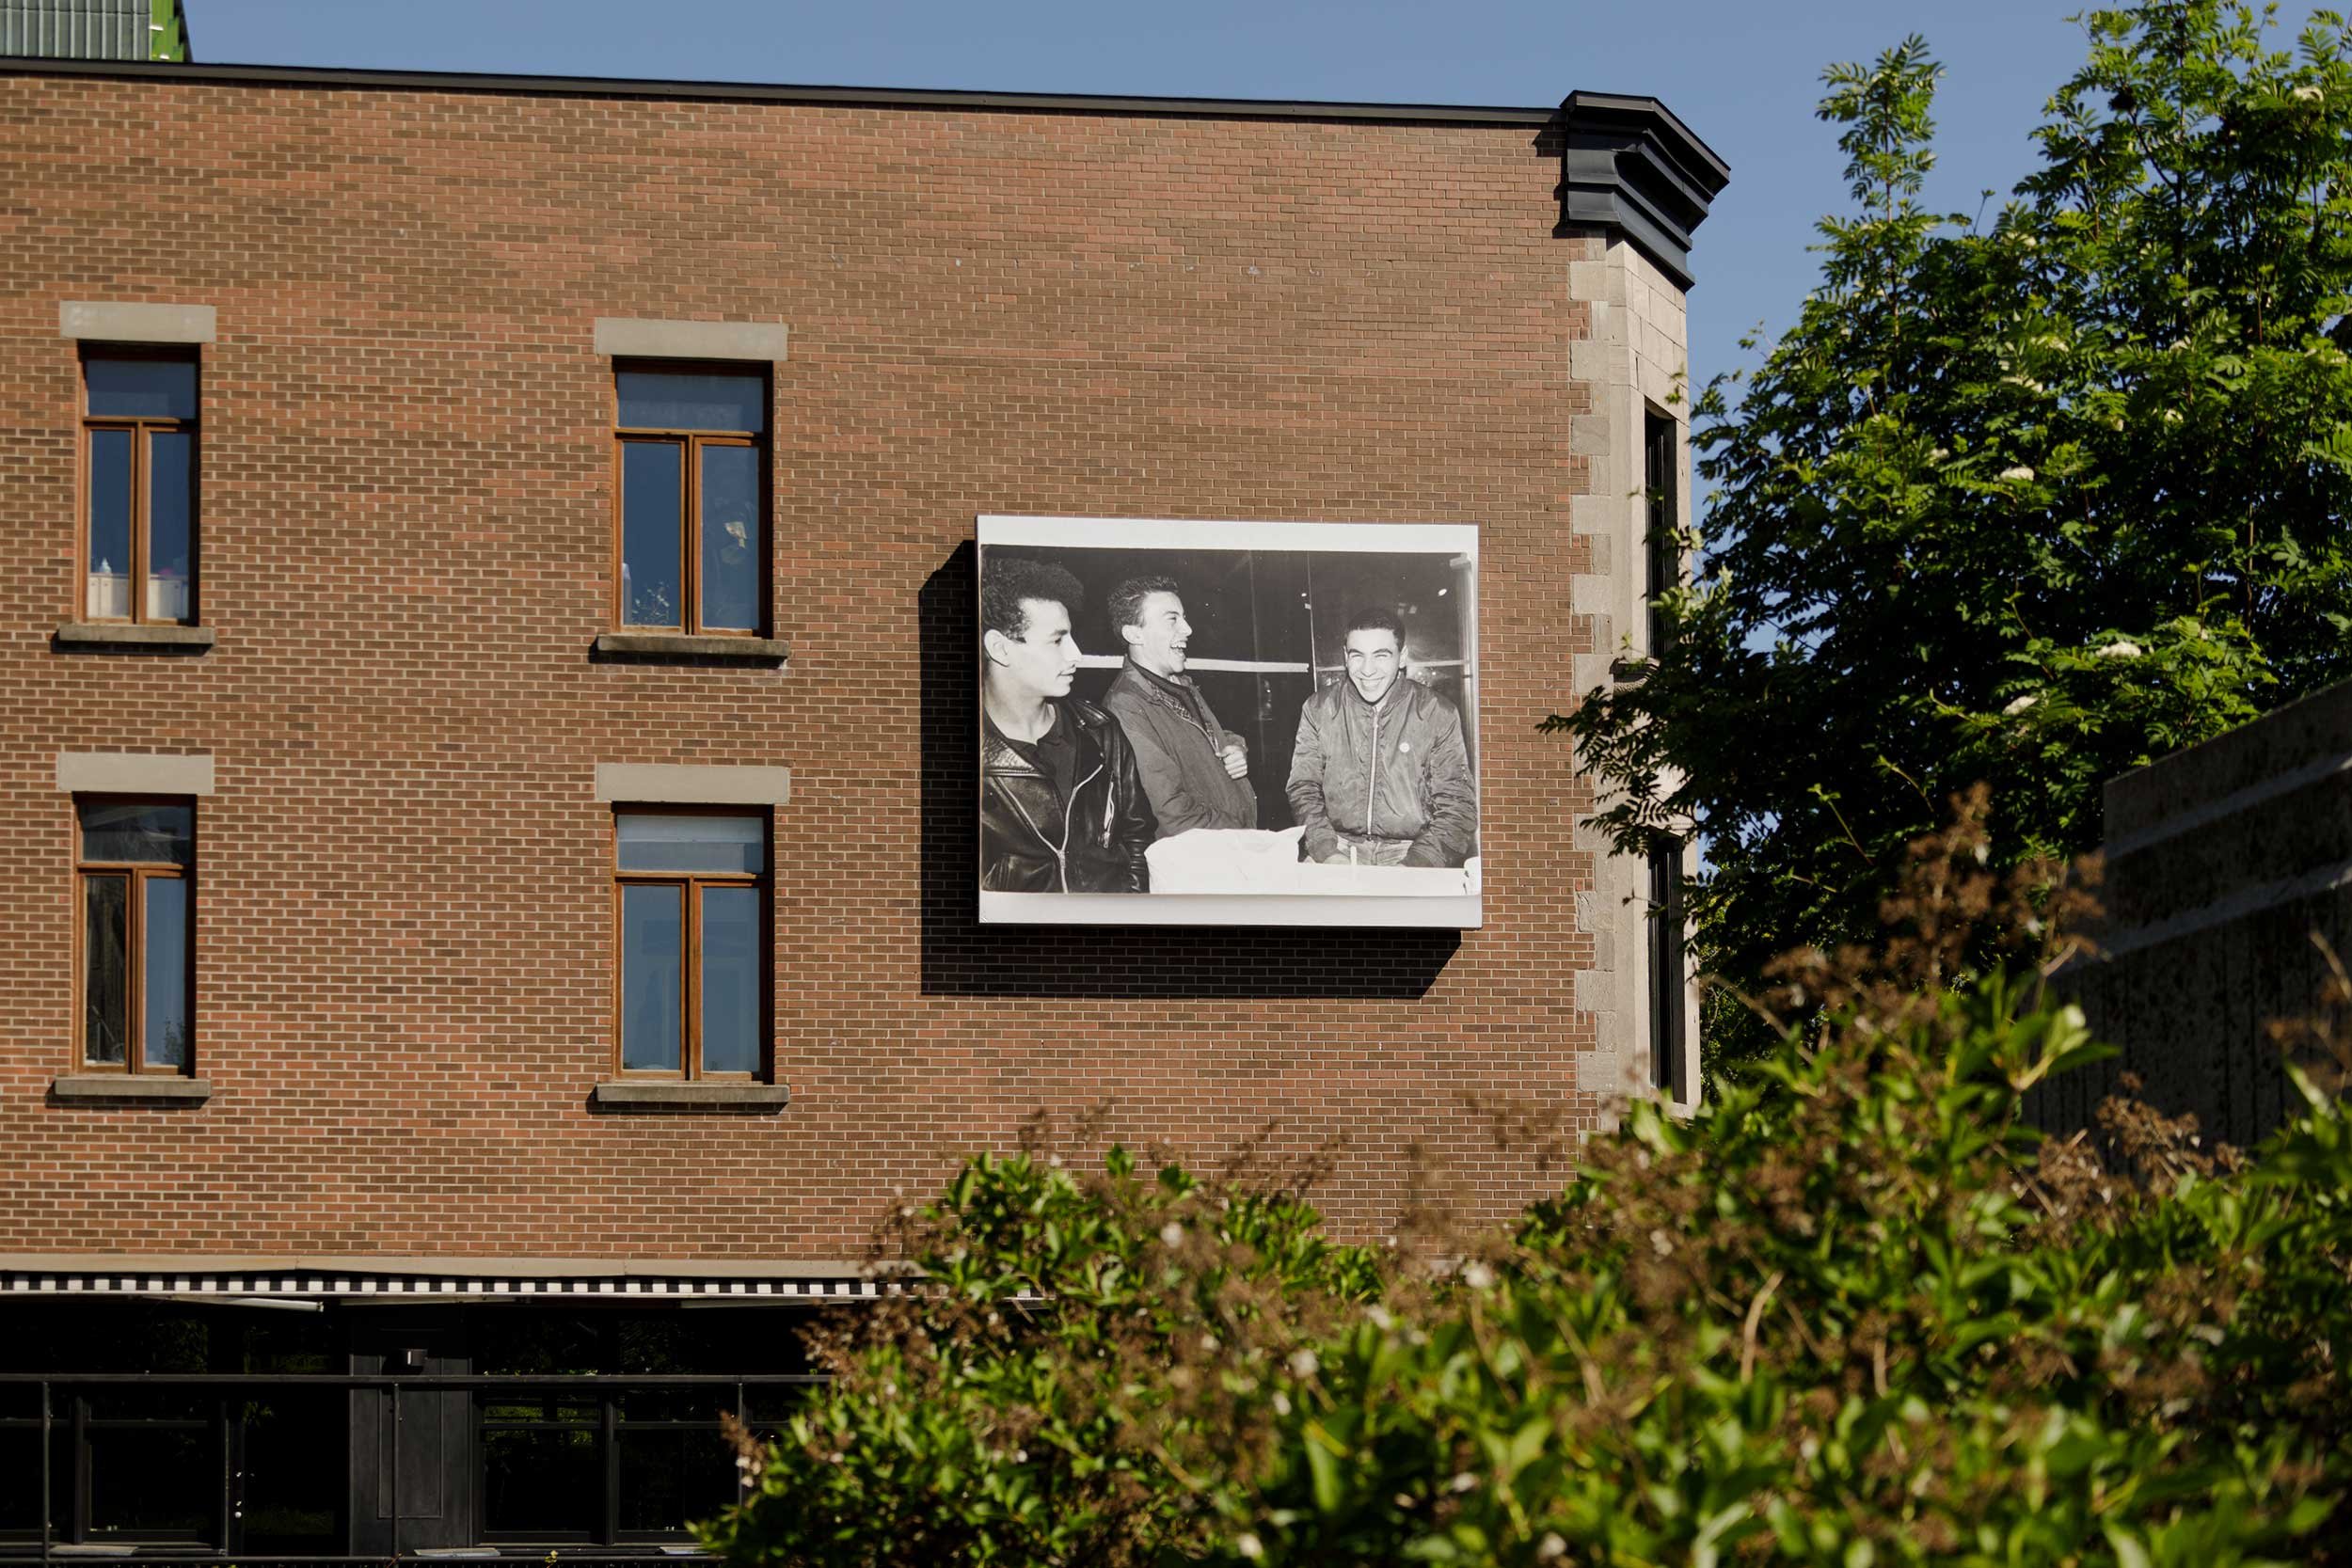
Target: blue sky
x=1745 y=74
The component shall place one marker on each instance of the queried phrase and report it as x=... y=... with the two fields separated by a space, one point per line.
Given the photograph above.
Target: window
x=690 y=903
x=136 y=888
x=1667 y=982
x=635 y=1457
x=167 y=1460
x=138 y=533
x=690 y=494
x=1662 y=533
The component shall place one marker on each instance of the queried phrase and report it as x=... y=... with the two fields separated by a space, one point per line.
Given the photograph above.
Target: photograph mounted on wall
x=1228 y=723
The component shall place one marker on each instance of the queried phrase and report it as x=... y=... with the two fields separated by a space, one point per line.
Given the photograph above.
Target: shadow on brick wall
x=963 y=958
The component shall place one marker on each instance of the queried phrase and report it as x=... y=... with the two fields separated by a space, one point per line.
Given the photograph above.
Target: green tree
x=2026 y=502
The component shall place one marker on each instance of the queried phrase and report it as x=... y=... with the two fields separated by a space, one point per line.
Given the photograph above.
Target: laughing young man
x=1381 y=776
x=1061 y=809
x=1196 y=771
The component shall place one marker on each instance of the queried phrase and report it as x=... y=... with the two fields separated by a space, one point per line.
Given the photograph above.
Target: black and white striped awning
x=311 y=1285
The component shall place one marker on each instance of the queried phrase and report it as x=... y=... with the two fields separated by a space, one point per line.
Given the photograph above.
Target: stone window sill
x=664 y=644
x=669 y=1093
x=129 y=1085
x=124 y=635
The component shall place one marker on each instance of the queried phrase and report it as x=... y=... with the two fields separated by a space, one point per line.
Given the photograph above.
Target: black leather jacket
x=1033 y=841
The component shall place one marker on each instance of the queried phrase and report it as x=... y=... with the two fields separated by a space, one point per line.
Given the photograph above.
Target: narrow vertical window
x=138 y=526
x=690 y=898
x=1661 y=476
x=135 y=991
x=1667 y=983
x=691 y=536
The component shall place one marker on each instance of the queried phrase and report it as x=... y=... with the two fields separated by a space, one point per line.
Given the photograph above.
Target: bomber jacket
x=1034 y=841
x=1394 y=770
x=1178 y=744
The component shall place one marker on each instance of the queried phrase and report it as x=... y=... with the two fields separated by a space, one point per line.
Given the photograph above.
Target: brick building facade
x=384 y=680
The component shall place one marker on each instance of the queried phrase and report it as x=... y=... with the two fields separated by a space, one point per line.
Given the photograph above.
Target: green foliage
x=1074 y=1336
x=1854 y=1312
x=2024 y=502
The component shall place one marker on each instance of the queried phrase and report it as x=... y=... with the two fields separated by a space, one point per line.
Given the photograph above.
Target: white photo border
x=1441 y=912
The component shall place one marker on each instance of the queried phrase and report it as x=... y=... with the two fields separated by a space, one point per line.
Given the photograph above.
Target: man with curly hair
x=1061 y=807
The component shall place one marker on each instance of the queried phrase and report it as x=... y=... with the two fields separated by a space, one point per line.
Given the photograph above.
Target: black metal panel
x=1629 y=164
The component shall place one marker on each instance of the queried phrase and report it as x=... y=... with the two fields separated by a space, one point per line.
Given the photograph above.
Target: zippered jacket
x=1397 y=771
x=1034 y=841
x=1178 y=745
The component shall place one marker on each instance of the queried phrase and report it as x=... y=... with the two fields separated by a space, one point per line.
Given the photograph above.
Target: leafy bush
x=1854 y=1311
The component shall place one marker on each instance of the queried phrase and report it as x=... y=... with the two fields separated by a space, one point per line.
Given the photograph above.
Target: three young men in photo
x=1072 y=795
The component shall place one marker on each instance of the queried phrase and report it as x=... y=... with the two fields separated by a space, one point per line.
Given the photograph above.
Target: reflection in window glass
x=731 y=566
x=134 y=832
x=671 y=1476
x=153 y=1481
x=164 y=983
x=170 y=523
x=543 y=1480
x=109 y=563
x=140 y=388
x=105 y=968
x=649 y=842
x=652 y=935
x=730 y=979
x=653 y=499
x=670 y=400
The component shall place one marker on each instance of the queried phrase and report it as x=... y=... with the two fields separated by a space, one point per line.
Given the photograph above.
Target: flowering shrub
x=1854 y=1311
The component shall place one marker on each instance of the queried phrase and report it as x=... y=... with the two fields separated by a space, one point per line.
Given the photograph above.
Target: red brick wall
x=405 y=942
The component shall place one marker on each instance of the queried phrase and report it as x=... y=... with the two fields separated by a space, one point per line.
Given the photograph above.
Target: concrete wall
x=1636 y=362
x=2223 y=863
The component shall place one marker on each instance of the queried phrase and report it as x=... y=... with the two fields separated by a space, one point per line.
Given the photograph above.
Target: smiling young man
x=1061 y=809
x=1380 y=775
x=1195 y=770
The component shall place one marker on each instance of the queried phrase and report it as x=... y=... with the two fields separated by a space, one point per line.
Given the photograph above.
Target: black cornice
x=1627 y=163
x=759 y=92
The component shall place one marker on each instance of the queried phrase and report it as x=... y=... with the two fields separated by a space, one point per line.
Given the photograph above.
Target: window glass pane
x=163 y=982
x=170 y=523
x=507 y=1342
x=129 y=831
x=732 y=562
x=297 y=1470
x=667 y=400
x=672 y=1478
x=154 y=1481
x=544 y=1482
x=141 y=389
x=105 y=968
x=20 y=1467
x=651 y=938
x=652 y=843
x=730 y=979
x=652 y=504
x=109 y=563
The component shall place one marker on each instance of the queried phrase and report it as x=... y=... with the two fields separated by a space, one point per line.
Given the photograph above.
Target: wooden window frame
x=691 y=445
x=138 y=874
x=143 y=431
x=689 y=946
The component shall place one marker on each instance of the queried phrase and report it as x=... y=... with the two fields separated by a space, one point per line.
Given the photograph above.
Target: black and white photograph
x=1227 y=723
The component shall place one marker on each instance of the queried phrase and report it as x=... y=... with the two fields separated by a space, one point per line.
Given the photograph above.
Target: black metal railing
x=48 y=1550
